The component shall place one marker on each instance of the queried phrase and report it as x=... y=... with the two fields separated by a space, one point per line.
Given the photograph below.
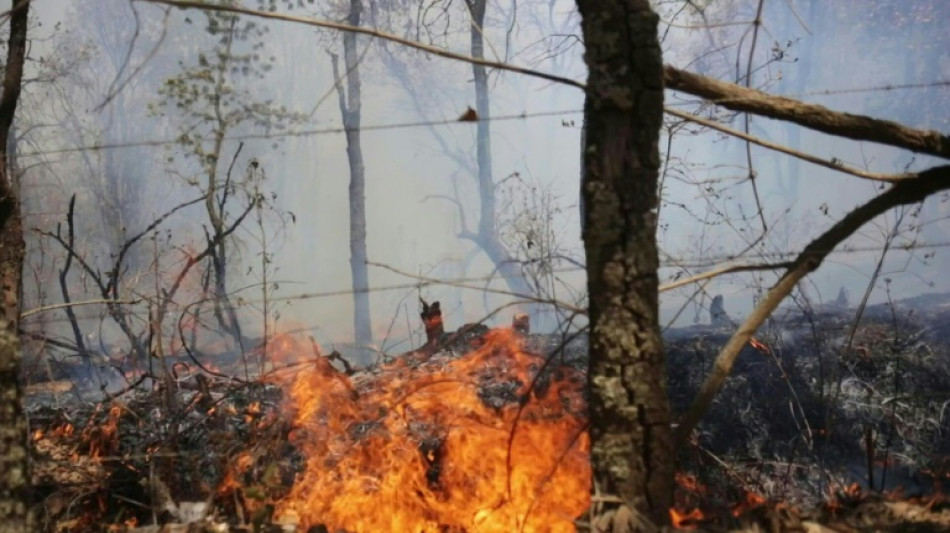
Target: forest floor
x=827 y=423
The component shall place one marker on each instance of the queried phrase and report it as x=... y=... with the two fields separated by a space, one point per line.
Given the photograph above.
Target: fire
x=760 y=346
x=441 y=444
x=751 y=500
x=689 y=483
x=685 y=520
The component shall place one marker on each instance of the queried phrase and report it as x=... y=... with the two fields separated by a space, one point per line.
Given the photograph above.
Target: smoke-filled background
x=120 y=111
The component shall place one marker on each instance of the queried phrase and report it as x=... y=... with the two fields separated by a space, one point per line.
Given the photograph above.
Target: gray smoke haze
x=849 y=56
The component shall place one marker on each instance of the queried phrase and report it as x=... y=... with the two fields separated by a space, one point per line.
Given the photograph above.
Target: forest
x=474 y=266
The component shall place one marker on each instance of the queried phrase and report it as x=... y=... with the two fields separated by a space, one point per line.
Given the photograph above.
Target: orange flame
x=429 y=446
x=760 y=346
x=685 y=520
x=690 y=483
x=751 y=500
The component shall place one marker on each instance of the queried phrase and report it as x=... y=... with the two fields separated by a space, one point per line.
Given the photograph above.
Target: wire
x=445 y=122
x=306 y=133
x=672 y=263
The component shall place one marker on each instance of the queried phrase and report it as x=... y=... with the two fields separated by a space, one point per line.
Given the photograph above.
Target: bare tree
x=349 y=99
x=487 y=237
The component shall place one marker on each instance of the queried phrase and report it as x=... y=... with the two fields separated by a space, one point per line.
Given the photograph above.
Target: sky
x=890 y=61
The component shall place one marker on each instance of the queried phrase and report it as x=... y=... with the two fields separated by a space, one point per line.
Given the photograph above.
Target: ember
x=685 y=520
x=437 y=443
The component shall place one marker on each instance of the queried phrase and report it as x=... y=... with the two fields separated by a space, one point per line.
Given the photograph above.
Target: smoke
x=419 y=159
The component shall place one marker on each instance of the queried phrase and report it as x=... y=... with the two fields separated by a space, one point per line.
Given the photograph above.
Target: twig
x=67 y=305
x=729 y=269
x=64 y=274
x=757 y=23
x=117 y=86
x=833 y=164
x=373 y=33
x=524 y=297
x=905 y=192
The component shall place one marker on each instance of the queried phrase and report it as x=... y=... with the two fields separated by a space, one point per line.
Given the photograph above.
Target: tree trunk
x=629 y=407
x=14 y=471
x=350 y=109
x=487 y=239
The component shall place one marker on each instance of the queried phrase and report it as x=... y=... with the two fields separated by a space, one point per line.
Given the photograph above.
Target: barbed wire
x=444 y=122
x=672 y=263
x=306 y=133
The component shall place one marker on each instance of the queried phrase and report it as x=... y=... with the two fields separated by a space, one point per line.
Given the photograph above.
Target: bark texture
x=14 y=471
x=630 y=415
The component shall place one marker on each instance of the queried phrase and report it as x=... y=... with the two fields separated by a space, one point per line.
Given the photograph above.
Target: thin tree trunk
x=350 y=110
x=630 y=416
x=487 y=237
x=486 y=183
x=14 y=465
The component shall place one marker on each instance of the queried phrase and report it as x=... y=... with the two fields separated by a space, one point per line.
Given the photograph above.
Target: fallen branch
x=812 y=116
x=905 y=192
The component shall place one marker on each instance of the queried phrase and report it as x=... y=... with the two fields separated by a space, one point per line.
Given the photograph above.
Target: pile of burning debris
x=471 y=432
x=485 y=430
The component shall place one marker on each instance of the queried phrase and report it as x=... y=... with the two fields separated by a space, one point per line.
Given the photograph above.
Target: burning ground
x=484 y=430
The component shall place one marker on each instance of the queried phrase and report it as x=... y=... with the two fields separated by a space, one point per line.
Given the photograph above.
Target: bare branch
x=833 y=164
x=728 y=269
x=812 y=116
x=905 y=192
x=54 y=307
x=526 y=298
x=64 y=273
x=373 y=33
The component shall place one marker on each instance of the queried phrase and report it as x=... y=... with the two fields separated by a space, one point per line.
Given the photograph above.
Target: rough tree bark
x=350 y=110
x=14 y=471
x=630 y=415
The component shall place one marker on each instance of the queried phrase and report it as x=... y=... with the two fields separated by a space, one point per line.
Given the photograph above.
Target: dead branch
x=812 y=116
x=373 y=33
x=726 y=94
x=192 y=261
x=113 y=285
x=525 y=298
x=905 y=192
x=833 y=164
x=53 y=307
x=110 y=289
x=64 y=274
x=728 y=269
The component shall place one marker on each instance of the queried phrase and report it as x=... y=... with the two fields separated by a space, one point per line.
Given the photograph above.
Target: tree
x=350 y=104
x=14 y=468
x=213 y=99
x=487 y=235
x=484 y=231
x=629 y=407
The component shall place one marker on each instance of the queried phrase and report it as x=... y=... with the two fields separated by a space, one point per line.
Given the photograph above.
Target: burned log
x=432 y=320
